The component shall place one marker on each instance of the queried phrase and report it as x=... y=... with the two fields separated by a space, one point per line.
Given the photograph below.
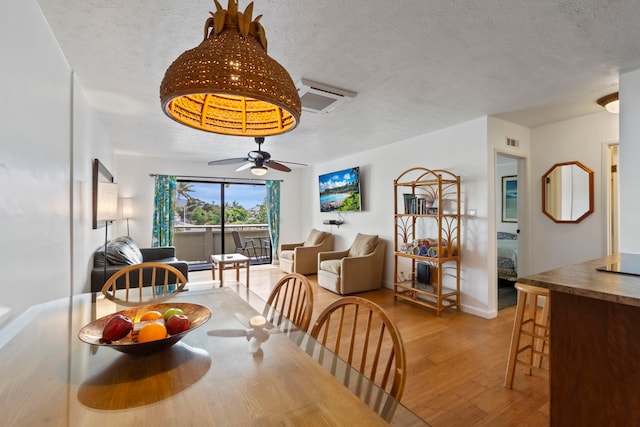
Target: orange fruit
x=151 y=332
x=151 y=315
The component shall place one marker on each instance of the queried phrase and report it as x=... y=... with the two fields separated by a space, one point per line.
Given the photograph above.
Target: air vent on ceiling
x=319 y=98
x=512 y=142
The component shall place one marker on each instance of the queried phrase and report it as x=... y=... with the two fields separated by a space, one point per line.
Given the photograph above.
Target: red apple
x=116 y=328
x=170 y=312
x=177 y=323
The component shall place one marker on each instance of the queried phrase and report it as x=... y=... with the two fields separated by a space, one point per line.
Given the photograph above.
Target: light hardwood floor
x=456 y=363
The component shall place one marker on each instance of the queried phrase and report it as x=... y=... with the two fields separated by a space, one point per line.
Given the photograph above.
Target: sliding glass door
x=210 y=211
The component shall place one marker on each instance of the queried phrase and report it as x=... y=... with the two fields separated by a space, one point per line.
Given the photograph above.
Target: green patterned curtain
x=273 y=214
x=164 y=210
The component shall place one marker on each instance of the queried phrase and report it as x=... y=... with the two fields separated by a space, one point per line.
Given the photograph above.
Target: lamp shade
x=126 y=208
x=228 y=84
x=107 y=201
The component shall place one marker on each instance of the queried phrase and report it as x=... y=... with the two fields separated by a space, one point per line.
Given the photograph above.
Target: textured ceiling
x=417 y=66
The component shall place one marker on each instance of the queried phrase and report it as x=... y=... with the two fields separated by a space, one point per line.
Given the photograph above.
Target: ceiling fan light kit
x=258 y=170
x=228 y=84
x=610 y=102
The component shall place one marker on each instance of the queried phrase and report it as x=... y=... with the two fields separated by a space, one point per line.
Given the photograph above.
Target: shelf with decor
x=427 y=238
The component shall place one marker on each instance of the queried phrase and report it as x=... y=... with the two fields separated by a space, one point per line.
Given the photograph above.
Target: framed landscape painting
x=510 y=198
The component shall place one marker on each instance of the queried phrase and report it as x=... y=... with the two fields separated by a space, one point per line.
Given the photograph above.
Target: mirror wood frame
x=544 y=192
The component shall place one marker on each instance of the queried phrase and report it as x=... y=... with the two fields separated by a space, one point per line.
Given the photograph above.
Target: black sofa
x=116 y=261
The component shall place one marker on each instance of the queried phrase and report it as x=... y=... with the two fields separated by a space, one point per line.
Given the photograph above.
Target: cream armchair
x=302 y=257
x=356 y=269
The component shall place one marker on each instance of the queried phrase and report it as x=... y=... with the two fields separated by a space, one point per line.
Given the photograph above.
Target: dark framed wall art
x=510 y=198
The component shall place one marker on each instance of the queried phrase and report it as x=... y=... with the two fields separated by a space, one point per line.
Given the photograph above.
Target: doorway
x=612 y=200
x=509 y=208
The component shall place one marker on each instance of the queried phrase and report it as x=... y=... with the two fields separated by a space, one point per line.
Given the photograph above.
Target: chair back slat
x=141 y=276
x=291 y=300
x=360 y=332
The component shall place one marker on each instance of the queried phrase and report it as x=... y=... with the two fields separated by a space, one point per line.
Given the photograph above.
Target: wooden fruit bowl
x=92 y=332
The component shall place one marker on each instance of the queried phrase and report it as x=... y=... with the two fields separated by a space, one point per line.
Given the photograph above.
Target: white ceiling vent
x=319 y=98
x=512 y=142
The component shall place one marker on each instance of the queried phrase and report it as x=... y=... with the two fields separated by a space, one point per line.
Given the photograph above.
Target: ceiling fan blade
x=277 y=166
x=245 y=166
x=292 y=163
x=228 y=161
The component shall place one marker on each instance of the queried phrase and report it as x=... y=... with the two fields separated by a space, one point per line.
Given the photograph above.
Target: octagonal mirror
x=567 y=192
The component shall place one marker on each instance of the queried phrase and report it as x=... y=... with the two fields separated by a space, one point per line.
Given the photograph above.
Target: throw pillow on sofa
x=121 y=250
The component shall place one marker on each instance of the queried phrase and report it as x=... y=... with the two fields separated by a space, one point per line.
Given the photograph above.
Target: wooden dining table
x=211 y=377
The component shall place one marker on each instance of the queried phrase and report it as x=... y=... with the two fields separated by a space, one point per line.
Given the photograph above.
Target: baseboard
x=476 y=311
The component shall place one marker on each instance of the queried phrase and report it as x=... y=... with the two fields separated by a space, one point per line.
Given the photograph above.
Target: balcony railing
x=196 y=243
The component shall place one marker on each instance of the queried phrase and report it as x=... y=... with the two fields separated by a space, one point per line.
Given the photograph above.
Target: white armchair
x=302 y=257
x=356 y=269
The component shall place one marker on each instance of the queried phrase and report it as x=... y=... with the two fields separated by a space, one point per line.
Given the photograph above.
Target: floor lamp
x=107 y=211
x=126 y=206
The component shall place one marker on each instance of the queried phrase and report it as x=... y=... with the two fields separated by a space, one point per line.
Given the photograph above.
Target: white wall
x=461 y=149
x=45 y=165
x=90 y=141
x=35 y=161
x=629 y=155
x=580 y=139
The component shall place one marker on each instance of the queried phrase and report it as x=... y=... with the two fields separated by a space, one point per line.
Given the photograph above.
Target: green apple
x=171 y=311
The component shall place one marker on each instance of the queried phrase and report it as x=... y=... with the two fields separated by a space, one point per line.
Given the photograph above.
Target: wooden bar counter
x=595 y=342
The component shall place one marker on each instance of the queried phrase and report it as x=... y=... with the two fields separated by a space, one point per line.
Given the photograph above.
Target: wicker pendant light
x=228 y=84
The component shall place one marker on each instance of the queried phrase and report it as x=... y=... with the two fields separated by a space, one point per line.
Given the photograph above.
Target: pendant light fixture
x=228 y=84
x=610 y=102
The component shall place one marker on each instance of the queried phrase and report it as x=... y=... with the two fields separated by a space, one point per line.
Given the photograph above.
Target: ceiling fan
x=257 y=160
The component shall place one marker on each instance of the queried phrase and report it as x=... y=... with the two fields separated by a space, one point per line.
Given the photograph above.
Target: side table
x=227 y=261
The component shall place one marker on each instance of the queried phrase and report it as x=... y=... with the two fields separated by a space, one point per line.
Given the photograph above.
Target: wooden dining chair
x=144 y=283
x=291 y=300
x=360 y=332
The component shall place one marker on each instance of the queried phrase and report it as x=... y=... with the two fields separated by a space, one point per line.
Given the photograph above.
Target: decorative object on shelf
x=409 y=203
x=228 y=84
x=438 y=216
x=510 y=198
x=415 y=204
x=610 y=102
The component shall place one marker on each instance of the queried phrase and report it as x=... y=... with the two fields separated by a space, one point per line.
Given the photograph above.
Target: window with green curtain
x=164 y=210
x=273 y=215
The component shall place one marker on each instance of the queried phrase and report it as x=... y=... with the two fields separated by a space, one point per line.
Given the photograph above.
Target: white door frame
x=611 y=196
x=524 y=195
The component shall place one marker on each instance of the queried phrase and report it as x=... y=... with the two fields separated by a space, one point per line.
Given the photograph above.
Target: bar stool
x=532 y=330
